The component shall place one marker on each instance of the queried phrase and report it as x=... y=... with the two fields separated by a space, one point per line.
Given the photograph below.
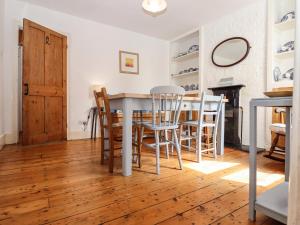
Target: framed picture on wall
x=129 y=62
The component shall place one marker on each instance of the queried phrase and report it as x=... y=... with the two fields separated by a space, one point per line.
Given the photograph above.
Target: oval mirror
x=230 y=52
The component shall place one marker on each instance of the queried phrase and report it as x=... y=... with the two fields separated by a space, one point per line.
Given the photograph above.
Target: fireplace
x=233 y=114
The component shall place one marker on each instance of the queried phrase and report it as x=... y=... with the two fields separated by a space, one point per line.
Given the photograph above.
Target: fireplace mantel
x=237 y=86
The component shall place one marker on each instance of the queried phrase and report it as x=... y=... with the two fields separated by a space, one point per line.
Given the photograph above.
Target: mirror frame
x=233 y=64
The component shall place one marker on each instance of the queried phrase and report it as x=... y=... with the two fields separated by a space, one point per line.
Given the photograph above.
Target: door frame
x=65 y=77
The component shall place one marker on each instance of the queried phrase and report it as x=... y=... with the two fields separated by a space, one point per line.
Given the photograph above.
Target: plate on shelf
x=193 y=48
x=288 y=16
x=289 y=46
x=278 y=93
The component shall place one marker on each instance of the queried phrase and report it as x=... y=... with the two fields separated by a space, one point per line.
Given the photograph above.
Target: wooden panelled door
x=44 y=102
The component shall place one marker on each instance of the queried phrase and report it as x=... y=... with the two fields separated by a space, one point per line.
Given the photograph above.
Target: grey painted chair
x=166 y=108
x=200 y=124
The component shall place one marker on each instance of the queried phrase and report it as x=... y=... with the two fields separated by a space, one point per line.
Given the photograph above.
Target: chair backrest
x=210 y=106
x=166 y=105
x=281 y=112
x=104 y=111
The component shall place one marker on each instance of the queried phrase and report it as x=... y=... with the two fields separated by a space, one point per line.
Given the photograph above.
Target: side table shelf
x=274 y=202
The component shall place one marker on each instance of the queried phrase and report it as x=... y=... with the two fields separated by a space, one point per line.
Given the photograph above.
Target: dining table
x=129 y=102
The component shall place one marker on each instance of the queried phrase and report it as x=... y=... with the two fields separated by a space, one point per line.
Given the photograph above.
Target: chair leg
x=173 y=141
x=92 y=129
x=189 y=140
x=139 y=143
x=95 y=128
x=215 y=142
x=111 y=157
x=199 y=144
x=135 y=144
x=102 y=149
x=157 y=152
x=102 y=145
x=178 y=149
x=142 y=134
x=206 y=133
x=274 y=144
x=167 y=145
x=180 y=135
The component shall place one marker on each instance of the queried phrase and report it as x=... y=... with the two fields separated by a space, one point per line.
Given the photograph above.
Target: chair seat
x=158 y=127
x=138 y=123
x=114 y=125
x=120 y=124
x=186 y=137
x=195 y=124
x=278 y=128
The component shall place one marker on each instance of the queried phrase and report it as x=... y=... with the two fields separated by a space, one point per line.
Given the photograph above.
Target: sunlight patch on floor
x=263 y=179
x=208 y=167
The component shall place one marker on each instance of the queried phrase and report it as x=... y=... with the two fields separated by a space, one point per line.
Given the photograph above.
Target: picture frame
x=129 y=62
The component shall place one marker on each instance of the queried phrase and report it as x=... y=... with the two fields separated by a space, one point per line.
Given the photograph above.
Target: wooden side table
x=274 y=202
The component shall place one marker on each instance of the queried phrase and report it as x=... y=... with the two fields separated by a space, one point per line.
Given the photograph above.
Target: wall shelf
x=286 y=25
x=278 y=34
x=285 y=55
x=187 y=56
x=185 y=74
x=184 y=62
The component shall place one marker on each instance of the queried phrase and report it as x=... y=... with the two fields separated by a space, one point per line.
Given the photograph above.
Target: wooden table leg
x=127 y=137
x=287 y=143
x=252 y=162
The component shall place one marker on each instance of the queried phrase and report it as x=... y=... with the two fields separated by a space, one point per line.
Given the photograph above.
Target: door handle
x=47 y=40
x=26 y=89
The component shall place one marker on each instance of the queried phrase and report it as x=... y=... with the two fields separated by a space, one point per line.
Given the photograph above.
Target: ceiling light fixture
x=154 y=6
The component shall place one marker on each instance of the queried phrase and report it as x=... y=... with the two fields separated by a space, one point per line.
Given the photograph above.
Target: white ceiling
x=180 y=17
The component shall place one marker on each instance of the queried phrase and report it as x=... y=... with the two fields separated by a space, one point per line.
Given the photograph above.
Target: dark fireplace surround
x=233 y=114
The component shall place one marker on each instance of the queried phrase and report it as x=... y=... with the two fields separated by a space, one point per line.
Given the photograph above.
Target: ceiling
x=180 y=17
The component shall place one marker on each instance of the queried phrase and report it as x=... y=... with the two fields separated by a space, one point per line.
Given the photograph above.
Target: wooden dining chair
x=110 y=132
x=166 y=108
x=202 y=125
x=279 y=131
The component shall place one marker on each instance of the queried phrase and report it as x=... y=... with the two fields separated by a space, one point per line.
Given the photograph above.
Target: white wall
x=13 y=11
x=92 y=59
x=1 y=74
x=250 y=23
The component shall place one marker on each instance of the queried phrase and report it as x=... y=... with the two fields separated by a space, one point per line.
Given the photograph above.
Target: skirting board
x=7 y=139
x=2 y=141
x=246 y=148
x=78 y=135
x=11 y=138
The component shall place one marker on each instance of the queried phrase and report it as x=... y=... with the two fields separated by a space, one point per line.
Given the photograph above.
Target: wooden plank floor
x=63 y=183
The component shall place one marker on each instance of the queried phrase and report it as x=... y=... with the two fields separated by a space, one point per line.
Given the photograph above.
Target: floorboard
x=64 y=183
